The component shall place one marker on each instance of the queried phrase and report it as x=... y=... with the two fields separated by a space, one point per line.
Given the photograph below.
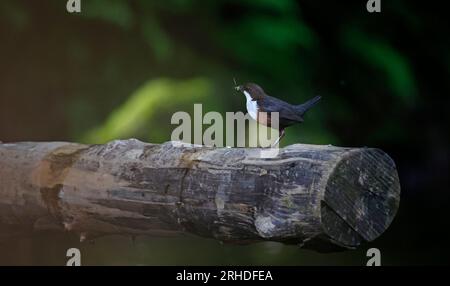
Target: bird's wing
x=286 y=111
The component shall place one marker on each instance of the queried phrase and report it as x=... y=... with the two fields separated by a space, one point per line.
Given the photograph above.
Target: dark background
x=121 y=68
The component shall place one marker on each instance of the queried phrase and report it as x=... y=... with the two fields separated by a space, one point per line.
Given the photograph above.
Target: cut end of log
x=361 y=197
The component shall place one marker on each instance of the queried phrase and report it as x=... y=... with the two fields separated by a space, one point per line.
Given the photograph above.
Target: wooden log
x=319 y=197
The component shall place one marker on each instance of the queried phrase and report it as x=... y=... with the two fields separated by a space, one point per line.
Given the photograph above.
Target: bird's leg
x=279 y=138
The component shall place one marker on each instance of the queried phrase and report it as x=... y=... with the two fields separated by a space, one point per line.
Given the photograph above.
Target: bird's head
x=252 y=89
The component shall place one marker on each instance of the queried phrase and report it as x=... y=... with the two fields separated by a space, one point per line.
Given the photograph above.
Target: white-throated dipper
x=260 y=105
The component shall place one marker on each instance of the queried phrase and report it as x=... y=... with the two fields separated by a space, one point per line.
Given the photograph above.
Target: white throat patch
x=252 y=108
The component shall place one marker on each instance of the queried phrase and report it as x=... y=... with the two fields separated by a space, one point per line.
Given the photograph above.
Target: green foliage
x=266 y=41
x=269 y=43
x=157 y=39
x=280 y=6
x=117 y=12
x=140 y=109
x=379 y=54
x=121 y=68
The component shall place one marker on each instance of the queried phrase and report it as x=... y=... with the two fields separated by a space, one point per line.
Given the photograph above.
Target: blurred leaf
x=382 y=56
x=140 y=108
x=280 y=33
x=269 y=44
x=284 y=6
x=157 y=38
x=114 y=11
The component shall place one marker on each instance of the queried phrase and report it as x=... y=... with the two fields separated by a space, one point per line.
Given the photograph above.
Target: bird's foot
x=276 y=143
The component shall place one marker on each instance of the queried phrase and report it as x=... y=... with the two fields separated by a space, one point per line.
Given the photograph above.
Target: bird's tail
x=302 y=108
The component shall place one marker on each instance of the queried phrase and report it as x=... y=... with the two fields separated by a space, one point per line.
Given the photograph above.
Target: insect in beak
x=236 y=86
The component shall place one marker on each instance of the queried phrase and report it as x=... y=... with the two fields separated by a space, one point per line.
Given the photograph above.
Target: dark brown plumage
x=260 y=105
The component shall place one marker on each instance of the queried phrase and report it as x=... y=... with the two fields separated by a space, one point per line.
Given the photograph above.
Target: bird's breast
x=252 y=109
x=255 y=112
x=252 y=106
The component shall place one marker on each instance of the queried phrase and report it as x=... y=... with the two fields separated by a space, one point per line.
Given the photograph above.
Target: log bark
x=319 y=197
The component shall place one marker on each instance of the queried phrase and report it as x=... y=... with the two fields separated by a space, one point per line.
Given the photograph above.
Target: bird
x=260 y=105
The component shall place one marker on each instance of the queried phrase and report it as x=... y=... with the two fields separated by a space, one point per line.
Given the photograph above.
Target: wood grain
x=319 y=197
